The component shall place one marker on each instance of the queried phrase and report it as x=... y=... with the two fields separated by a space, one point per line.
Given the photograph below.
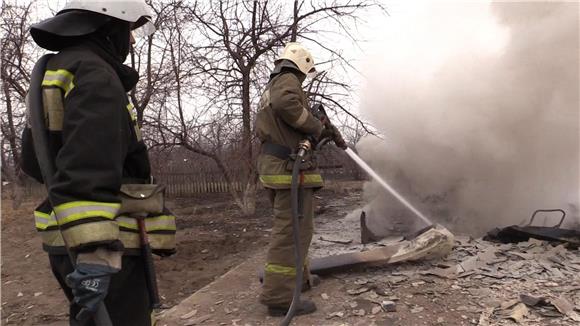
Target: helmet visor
x=144 y=27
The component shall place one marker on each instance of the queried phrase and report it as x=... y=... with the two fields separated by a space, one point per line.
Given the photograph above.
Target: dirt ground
x=212 y=280
x=212 y=238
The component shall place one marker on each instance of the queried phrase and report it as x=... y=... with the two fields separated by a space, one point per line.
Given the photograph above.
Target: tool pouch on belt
x=142 y=198
x=148 y=201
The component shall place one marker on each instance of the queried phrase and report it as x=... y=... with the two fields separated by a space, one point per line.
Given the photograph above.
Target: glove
x=90 y=280
x=330 y=131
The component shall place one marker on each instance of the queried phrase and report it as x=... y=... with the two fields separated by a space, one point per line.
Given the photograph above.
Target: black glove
x=89 y=284
x=330 y=131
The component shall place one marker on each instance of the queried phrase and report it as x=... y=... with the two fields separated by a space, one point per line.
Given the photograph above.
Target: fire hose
x=47 y=167
x=303 y=148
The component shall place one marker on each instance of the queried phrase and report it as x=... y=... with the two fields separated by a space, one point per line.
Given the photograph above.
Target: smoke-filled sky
x=479 y=107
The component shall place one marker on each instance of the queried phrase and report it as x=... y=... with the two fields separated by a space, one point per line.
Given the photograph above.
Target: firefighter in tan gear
x=96 y=146
x=283 y=121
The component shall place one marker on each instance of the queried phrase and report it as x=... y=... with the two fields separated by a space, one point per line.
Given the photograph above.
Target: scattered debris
x=484 y=317
x=358 y=291
x=339 y=241
x=389 y=306
x=417 y=310
x=324 y=296
x=565 y=307
x=338 y=314
x=198 y=321
x=189 y=314
x=359 y=312
x=518 y=313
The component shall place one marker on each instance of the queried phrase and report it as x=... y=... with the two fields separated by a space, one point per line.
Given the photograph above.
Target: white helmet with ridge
x=83 y=17
x=137 y=12
x=299 y=55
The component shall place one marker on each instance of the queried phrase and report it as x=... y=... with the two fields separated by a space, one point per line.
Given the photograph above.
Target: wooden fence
x=180 y=184
x=203 y=178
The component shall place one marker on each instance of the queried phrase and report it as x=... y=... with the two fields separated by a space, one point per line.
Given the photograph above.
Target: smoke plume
x=479 y=107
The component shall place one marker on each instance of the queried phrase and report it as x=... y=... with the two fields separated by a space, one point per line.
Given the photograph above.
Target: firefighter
x=283 y=121
x=96 y=145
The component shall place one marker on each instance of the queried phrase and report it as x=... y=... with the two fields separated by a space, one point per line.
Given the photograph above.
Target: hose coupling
x=303 y=147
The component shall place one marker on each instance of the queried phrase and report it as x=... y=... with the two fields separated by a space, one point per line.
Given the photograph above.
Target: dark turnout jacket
x=96 y=145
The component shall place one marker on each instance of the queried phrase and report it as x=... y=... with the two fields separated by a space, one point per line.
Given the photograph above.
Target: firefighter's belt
x=279 y=151
x=142 y=199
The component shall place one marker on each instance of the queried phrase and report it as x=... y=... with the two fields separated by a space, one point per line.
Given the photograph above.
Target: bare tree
x=221 y=53
x=16 y=59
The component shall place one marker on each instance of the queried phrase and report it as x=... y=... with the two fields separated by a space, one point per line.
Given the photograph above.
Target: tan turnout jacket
x=285 y=119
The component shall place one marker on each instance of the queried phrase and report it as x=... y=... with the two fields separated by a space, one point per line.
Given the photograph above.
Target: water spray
x=358 y=160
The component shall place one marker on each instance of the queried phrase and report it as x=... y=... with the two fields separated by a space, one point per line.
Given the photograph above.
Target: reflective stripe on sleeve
x=132 y=112
x=78 y=210
x=303 y=117
x=284 y=179
x=44 y=221
x=279 y=269
x=60 y=78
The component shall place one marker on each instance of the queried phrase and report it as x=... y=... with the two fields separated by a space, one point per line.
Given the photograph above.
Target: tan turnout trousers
x=280 y=270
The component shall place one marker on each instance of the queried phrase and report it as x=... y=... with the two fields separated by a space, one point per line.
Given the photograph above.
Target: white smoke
x=479 y=106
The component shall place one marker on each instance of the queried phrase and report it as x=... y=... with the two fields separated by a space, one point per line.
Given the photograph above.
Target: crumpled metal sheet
x=433 y=243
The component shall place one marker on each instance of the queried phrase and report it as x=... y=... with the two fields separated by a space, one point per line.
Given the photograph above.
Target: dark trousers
x=127 y=300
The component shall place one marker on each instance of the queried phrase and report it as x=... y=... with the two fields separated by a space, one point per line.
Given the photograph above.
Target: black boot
x=305 y=307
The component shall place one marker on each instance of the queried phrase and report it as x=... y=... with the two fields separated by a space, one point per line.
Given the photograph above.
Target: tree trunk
x=249 y=192
x=11 y=132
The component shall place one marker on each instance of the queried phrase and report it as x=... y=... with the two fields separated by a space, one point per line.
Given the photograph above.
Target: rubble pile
x=528 y=283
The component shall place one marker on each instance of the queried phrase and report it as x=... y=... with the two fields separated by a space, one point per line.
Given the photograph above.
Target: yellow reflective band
x=279 y=269
x=78 y=210
x=283 y=179
x=132 y=112
x=43 y=220
x=74 y=204
x=60 y=78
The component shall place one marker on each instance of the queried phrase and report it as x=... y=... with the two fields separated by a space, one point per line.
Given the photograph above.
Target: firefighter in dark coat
x=96 y=145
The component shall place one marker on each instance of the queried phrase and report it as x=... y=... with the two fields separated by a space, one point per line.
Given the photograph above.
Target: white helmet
x=299 y=55
x=137 y=12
